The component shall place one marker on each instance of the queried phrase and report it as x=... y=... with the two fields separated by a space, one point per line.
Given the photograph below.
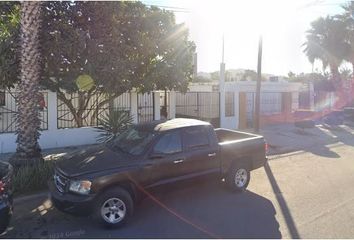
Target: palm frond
x=112 y=124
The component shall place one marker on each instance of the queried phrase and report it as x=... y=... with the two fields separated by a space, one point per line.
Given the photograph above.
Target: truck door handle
x=178 y=161
x=211 y=154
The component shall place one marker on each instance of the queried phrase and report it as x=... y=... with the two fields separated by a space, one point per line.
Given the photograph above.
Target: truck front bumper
x=72 y=203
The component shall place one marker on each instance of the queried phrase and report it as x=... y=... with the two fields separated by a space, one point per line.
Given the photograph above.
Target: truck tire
x=114 y=207
x=238 y=177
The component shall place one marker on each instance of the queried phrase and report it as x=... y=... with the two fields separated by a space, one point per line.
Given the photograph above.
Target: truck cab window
x=196 y=137
x=169 y=143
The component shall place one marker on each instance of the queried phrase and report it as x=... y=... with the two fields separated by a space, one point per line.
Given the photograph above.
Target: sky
x=282 y=23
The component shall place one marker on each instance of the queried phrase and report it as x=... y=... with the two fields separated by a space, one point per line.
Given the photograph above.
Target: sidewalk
x=281 y=138
x=49 y=154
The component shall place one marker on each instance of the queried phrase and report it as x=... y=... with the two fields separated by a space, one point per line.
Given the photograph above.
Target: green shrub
x=113 y=124
x=29 y=179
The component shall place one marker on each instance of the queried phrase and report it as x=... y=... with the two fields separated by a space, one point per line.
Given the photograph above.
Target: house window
x=2 y=98
x=229 y=104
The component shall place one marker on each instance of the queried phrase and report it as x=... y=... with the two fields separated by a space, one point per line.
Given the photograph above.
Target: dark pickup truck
x=105 y=180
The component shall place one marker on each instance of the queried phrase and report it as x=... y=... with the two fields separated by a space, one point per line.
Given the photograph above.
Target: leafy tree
x=201 y=79
x=9 y=37
x=120 y=45
x=307 y=77
x=291 y=74
x=250 y=75
x=215 y=75
x=326 y=42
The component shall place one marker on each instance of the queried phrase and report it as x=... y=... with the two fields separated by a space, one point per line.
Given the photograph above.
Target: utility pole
x=258 y=87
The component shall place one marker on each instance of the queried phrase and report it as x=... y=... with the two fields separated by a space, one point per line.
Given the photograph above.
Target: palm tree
x=347 y=17
x=326 y=42
x=28 y=122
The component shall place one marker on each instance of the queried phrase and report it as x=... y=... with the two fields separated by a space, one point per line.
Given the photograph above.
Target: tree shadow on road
x=343 y=134
x=290 y=139
x=323 y=151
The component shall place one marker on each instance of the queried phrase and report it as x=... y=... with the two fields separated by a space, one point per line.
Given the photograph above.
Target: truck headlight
x=82 y=187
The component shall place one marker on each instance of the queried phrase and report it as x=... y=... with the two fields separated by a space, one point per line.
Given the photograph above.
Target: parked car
x=105 y=180
x=6 y=202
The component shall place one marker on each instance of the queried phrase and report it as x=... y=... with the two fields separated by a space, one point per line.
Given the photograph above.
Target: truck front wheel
x=238 y=177
x=114 y=207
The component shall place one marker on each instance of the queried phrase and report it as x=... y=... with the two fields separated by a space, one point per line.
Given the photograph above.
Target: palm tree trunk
x=28 y=121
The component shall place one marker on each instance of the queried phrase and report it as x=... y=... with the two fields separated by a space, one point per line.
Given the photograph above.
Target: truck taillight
x=2 y=187
x=266 y=147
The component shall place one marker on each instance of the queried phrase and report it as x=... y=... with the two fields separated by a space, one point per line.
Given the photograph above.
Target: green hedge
x=28 y=179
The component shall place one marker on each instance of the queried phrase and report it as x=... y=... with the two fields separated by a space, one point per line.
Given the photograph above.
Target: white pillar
x=172 y=108
x=157 y=106
x=134 y=106
x=222 y=94
x=52 y=111
x=295 y=101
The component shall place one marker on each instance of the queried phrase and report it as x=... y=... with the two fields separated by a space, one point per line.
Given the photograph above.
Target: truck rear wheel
x=238 y=177
x=114 y=207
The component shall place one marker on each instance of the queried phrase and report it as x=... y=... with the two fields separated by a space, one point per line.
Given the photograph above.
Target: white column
x=222 y=94
x=172 y=108
x=52 y=111
x=134 y=106
x=295 y=101
x=157 y=106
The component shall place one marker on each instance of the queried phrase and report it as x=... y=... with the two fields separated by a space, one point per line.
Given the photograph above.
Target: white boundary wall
x=54 y=137
x=249 y=86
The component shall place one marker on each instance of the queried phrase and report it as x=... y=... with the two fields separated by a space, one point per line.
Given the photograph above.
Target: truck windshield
x=133 y=140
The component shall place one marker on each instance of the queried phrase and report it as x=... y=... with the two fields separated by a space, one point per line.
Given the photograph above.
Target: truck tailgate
x=240 y=145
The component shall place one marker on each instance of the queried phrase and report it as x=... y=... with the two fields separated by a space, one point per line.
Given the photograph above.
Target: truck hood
x=93 y=159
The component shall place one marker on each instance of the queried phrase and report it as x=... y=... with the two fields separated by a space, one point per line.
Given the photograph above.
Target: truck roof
x=175 y=123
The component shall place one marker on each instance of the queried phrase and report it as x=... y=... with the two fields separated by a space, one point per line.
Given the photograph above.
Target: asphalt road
x=303 y=194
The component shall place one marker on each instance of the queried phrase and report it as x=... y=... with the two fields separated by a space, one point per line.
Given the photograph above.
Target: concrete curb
x=26 y=198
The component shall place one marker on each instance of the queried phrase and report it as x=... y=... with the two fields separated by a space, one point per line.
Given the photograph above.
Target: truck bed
x=240 y=145
x=226 y=135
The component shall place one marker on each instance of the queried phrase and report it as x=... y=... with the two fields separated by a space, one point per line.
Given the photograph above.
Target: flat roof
x=175 y=123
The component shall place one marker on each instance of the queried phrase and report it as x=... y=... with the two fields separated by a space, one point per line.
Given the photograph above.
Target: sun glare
x=251 y=17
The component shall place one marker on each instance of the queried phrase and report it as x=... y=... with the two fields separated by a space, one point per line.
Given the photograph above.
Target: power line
x=170 y=8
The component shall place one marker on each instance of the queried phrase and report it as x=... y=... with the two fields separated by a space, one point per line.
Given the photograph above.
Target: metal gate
x=304 y=100
x=270 y=103
x=146 y=107
x=164 y=104
x=200 y=105
x=250 y=102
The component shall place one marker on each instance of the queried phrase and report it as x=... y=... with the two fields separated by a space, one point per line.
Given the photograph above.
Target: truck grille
x=60 y=182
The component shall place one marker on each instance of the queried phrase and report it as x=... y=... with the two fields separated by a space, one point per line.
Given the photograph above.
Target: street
x=305 y=194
